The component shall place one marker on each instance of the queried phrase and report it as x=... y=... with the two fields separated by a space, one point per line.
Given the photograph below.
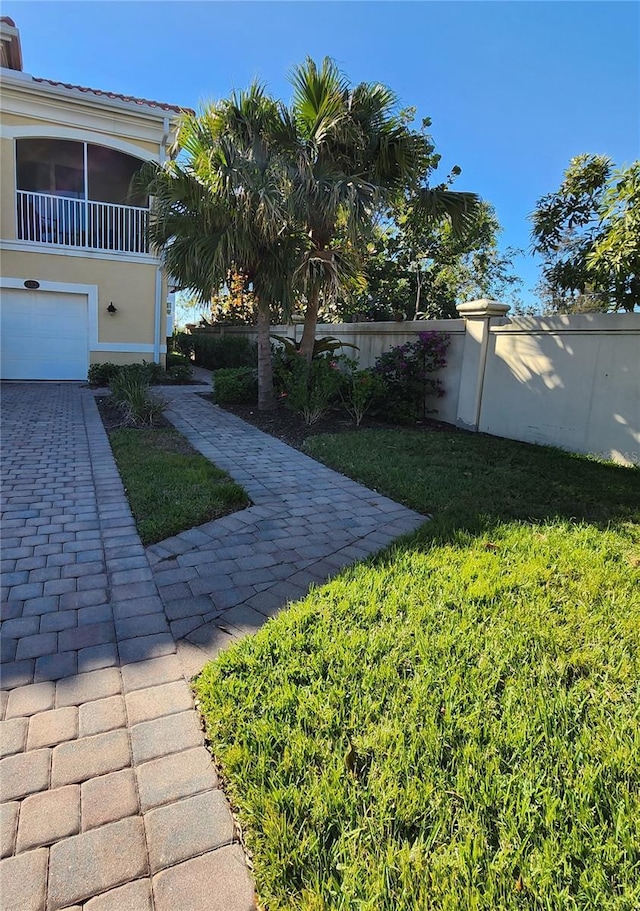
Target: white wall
x=568 y=381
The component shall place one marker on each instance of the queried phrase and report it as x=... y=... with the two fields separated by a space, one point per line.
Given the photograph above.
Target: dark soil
x=112 y=416
x=290 y=428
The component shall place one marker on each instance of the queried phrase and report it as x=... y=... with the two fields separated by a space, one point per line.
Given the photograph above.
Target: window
x=111 y=177
x=53 y=166
x=57 y=167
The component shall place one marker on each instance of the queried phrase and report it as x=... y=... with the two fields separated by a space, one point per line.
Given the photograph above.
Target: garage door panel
x=45 y=335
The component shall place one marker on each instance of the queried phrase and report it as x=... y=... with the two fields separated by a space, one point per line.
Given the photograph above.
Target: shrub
x=102 y=374
x=182 y=343
x=179 y=373
x=407 y=374
x=311 y=389
x=362 y=389
x=130 y=392
x=215 y=352
x=175 y=359
x=236 y=386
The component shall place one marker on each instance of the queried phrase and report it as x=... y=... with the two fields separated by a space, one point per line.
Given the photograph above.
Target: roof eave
x=27 y=82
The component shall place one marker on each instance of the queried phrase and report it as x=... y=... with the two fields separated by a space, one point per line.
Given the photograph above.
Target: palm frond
x=438 y=203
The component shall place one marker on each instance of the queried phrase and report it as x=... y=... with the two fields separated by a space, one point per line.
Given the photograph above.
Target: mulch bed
x=282 y=423
x=291 y=429
x=112 y=416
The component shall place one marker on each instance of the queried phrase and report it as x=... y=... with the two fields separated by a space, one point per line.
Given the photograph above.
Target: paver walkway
x=307 y=522
x=108 y=798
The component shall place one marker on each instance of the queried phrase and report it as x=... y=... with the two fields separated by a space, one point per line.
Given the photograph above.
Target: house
x=78 y=284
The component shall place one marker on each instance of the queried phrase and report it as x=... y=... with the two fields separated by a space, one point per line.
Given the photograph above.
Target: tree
x=423 y=270
x=354 y=155
x=220 y=207
x=614 y=260
x=589 y=235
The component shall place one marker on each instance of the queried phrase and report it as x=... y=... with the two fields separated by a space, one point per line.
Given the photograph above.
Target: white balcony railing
x=66 y=222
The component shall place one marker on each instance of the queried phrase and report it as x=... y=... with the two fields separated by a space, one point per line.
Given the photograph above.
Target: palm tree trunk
x=266 y=394
x=310 y=323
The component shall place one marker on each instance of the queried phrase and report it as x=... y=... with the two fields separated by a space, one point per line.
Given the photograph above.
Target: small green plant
x=102 y=374
x=130 y=392
x=178 y=373
x=311 y=389
x=236 y=386
x=321 y=346
x=362 y=389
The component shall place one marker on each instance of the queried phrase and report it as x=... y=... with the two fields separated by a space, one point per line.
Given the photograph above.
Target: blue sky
x=514 y=89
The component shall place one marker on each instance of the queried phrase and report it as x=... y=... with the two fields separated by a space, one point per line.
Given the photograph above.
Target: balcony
x=79 y=195
x=79 y=223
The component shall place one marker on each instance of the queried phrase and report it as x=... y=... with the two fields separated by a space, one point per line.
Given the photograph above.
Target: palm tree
x=353 y=155
x=220 y=205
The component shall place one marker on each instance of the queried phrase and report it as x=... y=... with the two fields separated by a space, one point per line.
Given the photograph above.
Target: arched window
x=72 y=169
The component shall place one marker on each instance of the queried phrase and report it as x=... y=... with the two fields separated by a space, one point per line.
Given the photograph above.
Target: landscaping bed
x=170 y=486
x=289 y=427
x=454 y=724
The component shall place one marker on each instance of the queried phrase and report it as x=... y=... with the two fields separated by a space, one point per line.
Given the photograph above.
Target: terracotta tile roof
x=85 y=89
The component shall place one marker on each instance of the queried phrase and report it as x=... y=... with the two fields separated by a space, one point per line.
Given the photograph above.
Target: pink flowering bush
x=407 y=373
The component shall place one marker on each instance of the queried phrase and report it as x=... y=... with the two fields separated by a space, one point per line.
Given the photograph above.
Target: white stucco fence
x=567 y=381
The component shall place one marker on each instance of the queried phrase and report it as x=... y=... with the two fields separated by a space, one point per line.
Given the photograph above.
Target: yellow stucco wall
x=131 y=286
x=122 y=357
x=108 y=124
x=7 y=190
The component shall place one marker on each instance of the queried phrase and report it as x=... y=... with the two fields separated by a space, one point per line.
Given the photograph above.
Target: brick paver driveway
x=109 y=801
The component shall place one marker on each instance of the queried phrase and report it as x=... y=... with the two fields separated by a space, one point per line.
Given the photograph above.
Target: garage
x=44 y=335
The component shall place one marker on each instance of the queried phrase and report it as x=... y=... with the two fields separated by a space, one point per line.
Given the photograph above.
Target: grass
x=170 y=486
x=455 y=724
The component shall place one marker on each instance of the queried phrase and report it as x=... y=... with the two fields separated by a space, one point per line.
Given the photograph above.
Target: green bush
x=236 y=386
x=362 y=390
x=175 y=359
x=407 y=372
x=102 y=374
x=310 y=390
x=130 y=393
x=179 y=373
x=182 y=343
x=215 y=352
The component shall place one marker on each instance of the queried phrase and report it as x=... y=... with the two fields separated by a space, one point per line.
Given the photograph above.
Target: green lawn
x=456 y=724
x=170 y=486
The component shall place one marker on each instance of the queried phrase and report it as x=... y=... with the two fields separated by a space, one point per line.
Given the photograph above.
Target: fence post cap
x=483 y=308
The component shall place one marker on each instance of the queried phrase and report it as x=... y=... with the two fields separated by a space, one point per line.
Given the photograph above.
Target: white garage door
x=44 y=335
